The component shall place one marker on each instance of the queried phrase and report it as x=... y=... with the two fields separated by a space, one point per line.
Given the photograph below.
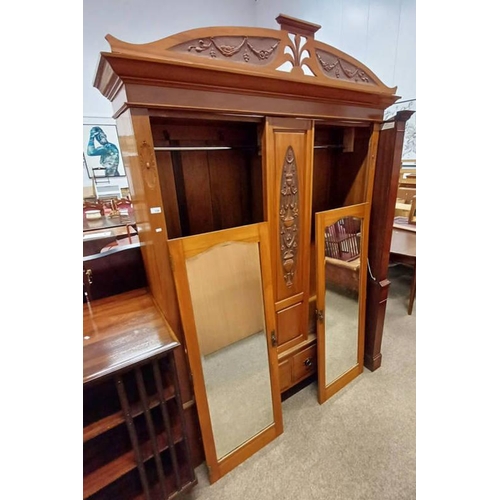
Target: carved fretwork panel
x=244 y=49
x=337 y=68
x=298 y=56
x=289 y=217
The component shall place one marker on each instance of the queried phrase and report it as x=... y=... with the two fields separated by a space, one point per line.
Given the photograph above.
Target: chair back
x=90 y=209
x=124 y=205
x=342 y=239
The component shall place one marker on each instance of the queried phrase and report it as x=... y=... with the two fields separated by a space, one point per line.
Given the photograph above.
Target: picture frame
x=101 y=151
x=86 y=167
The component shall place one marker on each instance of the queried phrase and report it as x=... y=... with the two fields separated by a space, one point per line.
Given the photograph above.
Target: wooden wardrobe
x=252 y=133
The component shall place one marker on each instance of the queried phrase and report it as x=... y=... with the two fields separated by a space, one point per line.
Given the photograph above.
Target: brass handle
x=308 y=362
x=88 y=272
x=274 y=342
x=319 y=315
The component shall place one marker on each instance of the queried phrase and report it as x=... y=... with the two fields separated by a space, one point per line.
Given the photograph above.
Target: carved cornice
x=290 y=56
x=289 y=217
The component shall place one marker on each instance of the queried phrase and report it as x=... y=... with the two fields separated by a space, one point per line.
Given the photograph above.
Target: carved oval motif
x=147 y=159
x=289 y=217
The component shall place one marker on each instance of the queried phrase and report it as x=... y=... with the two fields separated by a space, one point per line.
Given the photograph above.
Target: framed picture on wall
x=101 y=151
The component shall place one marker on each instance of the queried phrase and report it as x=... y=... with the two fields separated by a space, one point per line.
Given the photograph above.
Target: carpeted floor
x=359 y=445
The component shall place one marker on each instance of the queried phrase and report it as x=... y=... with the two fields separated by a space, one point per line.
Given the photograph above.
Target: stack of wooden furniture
x=225 y=128
x=135 y=437
x=407 y=192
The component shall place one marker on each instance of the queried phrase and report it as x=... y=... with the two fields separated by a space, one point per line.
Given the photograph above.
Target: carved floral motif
x=342 y=69
x=229 y=50
x=262 y=54
x=289 y=217
x=225 y=50
x=147 y=160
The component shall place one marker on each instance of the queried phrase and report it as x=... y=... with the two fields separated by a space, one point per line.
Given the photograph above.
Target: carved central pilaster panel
x=289 y=217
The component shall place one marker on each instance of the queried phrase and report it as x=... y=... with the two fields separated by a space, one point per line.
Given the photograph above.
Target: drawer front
x=285 y=369
x=304 y=363
x=289 y=322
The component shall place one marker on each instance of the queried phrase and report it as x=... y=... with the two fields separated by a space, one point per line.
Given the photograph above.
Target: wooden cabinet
x=135 y=438
x=228 y=127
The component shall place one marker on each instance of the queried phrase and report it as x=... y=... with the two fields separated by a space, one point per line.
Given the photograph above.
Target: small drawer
x=304 y=363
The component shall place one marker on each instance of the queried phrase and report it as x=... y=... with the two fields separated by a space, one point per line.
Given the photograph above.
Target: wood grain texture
x=188 y=247
x=289 y=321
x=139 y=159
x=324 y=219
x=244 y=61
x=233 y=49
x=121 y=330
x=385 y=187
x=280 y=135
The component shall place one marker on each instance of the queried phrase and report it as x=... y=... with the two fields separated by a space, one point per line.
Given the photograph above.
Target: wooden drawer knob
x=308 y=363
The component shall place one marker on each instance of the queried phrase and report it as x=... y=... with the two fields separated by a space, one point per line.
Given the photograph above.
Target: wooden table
x=106 y=222
x=98 y=233
x=404 y=251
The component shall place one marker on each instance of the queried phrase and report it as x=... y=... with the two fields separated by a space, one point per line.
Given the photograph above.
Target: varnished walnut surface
x=122 y=330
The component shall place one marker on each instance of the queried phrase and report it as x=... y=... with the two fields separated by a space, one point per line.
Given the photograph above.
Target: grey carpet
x=238 y=388
x=359 y=445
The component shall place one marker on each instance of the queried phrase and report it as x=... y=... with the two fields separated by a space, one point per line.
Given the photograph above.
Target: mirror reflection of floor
x=238 y=391
x=341 y=332
x=359 y=445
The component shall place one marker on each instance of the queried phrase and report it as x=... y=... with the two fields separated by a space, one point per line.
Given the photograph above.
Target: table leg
x=413 y=290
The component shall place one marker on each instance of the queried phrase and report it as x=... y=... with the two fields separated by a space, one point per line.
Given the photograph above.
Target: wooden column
x=385 y=190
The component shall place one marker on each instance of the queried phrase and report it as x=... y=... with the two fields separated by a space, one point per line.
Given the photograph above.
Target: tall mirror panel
x=341 y=236
x=226 y=293
x=222 y=278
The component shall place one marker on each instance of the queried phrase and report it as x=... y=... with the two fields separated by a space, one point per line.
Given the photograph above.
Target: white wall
x=142 y=21
x=379 y=33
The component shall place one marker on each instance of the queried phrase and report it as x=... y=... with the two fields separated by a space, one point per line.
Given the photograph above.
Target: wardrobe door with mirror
x=223 y=280
x=341 y=250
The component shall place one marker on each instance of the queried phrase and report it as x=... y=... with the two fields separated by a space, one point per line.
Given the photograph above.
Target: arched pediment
x=290 y=53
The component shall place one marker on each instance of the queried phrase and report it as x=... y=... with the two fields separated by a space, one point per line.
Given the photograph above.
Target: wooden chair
x=123 y=204
x=126 y=209
x=412 y=215
x=92 y=205
x=342 y=239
